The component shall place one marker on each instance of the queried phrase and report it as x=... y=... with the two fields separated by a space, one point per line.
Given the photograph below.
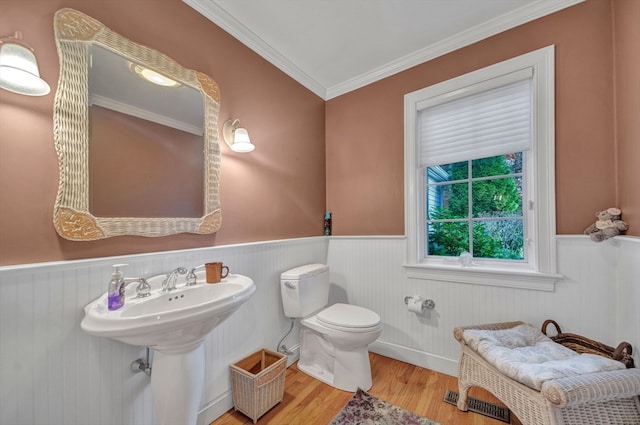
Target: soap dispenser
x=115 y=294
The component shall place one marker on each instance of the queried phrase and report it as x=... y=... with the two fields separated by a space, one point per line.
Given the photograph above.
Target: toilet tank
x=304 y=290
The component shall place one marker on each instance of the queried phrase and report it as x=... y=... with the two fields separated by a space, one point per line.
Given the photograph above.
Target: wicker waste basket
x=257 y=382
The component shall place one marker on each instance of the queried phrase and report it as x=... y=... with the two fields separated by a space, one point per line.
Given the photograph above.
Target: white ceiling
x=335 y=46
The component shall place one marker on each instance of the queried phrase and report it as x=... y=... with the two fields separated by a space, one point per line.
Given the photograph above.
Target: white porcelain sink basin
x=168 y=321
x=174 y=324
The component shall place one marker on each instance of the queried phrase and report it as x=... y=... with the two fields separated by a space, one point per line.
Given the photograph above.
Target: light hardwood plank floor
x=308 y=401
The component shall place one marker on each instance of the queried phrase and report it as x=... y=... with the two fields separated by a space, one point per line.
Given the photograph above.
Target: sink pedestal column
x=177 y=380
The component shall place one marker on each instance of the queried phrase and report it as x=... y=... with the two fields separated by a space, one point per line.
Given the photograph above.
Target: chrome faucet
x=143 y=289
x=169 y=284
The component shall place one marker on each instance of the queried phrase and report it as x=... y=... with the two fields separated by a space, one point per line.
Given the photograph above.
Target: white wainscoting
x=628 y=278
x=598 y=296
x=51 y=372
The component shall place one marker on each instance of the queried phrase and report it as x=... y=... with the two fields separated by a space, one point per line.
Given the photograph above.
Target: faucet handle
x=143 y=289
x=191 y=277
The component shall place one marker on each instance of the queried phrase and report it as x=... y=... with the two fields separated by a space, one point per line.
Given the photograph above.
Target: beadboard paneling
x=597 y=288
x=628 y=278
x=51 y=372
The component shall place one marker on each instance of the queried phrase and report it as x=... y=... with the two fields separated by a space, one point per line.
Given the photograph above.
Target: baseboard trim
x=222 y=404
x=292 y=358
x=416 y=357
x=215 y=409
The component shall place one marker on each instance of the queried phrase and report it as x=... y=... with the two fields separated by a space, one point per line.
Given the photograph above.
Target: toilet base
x=316 y=372
x=344 y=370
x=345 y=379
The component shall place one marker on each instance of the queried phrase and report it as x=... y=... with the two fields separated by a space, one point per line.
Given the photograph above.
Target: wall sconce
x=19 y=68
x=237 y=137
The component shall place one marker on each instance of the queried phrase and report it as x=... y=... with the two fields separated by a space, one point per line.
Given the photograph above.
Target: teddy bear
x=607 y=226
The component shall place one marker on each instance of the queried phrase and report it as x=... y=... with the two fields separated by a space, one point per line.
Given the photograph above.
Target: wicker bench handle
x=580 y=344
x=621 y=349
x=550 y=322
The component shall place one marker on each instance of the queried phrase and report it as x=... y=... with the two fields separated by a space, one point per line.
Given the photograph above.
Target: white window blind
x=478 y=123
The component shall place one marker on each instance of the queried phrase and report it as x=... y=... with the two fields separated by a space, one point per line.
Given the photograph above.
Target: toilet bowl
x=334 y=340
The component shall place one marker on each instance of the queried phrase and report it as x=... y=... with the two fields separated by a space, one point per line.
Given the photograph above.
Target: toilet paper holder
x=426 y=304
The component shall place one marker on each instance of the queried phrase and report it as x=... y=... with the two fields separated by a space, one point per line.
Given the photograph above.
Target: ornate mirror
x=136 y=137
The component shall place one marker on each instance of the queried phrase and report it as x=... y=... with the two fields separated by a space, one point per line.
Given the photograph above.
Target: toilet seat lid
x=349 y=316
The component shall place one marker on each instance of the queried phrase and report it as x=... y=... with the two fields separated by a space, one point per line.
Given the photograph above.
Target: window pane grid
x=485 y=219
x=499 y=176
x=482 y=215
x=448 y=220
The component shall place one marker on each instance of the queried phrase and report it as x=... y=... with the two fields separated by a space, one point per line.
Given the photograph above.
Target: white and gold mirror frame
x=72 y=218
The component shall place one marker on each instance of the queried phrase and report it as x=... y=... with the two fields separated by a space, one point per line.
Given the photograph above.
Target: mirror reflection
x=144 y=132
x=119 y=84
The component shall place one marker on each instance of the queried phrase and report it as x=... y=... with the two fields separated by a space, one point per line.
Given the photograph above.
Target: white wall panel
x=628 y=277
x=51 y=372
x=369 y=271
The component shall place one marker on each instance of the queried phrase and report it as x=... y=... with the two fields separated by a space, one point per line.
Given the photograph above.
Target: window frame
x=539 y=272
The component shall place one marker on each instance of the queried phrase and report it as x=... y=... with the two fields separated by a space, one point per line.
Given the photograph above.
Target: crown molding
x=220 y=17
x=472 y=35
x=530 y=12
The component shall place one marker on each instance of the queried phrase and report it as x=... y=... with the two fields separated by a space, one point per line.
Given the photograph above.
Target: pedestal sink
x=174 y=324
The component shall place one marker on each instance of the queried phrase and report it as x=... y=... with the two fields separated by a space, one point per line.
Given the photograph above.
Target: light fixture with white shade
x=19 y=68
x=237 y=137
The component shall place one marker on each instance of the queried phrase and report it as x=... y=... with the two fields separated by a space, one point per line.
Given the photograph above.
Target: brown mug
x=215 y=272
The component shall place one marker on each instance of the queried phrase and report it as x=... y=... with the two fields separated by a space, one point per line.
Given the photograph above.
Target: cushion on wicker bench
x=525 y=354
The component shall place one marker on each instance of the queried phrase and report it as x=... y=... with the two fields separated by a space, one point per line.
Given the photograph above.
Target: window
x=479 y=161
x=476 y=206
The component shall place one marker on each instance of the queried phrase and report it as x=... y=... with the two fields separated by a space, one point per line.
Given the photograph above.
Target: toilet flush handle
x=289 y=285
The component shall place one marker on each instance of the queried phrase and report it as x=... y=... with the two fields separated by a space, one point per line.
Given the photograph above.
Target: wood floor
x=308 y=401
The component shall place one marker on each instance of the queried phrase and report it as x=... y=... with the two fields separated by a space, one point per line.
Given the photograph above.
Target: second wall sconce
x=19 y=68
x=237 y=137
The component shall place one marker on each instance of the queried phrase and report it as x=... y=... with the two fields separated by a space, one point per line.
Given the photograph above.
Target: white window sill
x=523 y=279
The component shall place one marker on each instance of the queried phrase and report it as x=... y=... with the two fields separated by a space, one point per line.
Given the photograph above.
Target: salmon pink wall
x=365 y=127
x=276 y=192
x=627 y=77
x=127 y=155
x=280 y=190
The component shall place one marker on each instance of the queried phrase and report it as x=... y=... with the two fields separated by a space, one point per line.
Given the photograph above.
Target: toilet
x=334 y=340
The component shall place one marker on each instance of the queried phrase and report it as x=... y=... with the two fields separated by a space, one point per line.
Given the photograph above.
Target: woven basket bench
x=610 y=397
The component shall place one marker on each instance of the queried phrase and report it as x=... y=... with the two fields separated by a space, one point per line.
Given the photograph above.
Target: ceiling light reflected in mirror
x=153 y=76
x=115 y=82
